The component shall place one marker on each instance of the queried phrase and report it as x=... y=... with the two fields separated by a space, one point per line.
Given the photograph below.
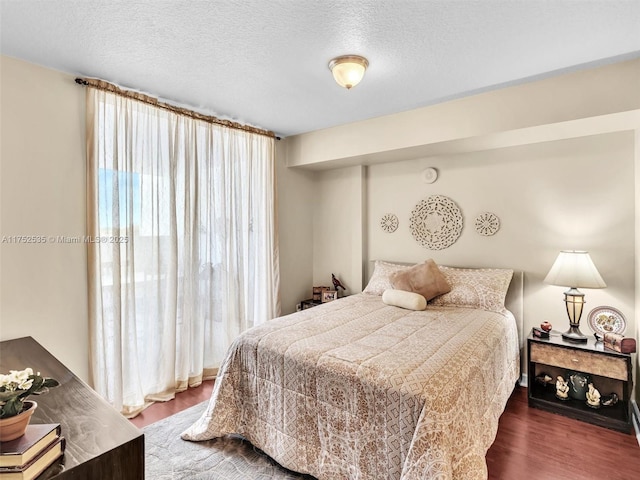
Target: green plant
x=16 y=387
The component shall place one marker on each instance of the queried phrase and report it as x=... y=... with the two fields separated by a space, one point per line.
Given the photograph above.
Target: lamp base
x=574 y=335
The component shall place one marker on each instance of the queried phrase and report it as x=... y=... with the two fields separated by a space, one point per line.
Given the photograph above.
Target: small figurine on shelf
x=336 y=283
x=609 y=400
x=578 y=385
x=593 y=397
x=562 y=388
x=544 y=379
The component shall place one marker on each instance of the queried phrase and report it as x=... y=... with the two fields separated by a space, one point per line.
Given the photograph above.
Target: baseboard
x=635 y=417
x=523 y=380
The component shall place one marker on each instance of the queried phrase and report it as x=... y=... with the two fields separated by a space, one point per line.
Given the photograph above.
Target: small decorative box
x=615 y=341
x=539 y=333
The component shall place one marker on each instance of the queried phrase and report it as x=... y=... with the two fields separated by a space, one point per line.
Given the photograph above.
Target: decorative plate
x=607 y=320
x=389 y=223
x=436 y=222
x=430 y=175
x=487 y=224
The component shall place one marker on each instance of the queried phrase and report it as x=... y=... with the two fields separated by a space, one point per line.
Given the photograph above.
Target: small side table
x=610 y=372
x=309 y=303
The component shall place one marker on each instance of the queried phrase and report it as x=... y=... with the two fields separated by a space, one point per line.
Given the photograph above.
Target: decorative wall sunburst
x=389 y=223
x=487 y=224
x=436 y=222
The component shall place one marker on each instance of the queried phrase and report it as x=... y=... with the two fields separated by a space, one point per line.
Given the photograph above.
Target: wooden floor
x=536 y=445
x=531 y=444
x=183 y=400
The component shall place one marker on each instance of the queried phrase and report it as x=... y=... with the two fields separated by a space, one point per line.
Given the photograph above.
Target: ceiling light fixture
x=348 y=70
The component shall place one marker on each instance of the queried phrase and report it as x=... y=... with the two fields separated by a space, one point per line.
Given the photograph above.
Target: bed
x=360 y=389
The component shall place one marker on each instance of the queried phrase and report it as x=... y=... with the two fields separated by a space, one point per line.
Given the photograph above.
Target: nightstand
x=309 y=303
x=610 y=372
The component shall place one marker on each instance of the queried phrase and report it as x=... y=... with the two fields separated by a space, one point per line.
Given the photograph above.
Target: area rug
x=168 y=457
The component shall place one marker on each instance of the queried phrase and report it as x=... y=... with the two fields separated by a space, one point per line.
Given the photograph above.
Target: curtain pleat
x=187 y=257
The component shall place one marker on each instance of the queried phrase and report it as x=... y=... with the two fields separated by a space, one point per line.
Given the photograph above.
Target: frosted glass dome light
x=348 y=70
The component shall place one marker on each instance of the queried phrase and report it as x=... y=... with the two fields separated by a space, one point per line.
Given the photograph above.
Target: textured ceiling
x=264 y=62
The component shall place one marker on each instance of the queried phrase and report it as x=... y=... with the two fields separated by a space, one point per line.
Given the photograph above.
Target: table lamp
x=574 y=269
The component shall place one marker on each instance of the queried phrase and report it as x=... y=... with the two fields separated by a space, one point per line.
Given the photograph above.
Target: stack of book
x=28 y=456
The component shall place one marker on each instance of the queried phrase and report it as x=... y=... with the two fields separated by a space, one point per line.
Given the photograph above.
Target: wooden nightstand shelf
x=610 y=372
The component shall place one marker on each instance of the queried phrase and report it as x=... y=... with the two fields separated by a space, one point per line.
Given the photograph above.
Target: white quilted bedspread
x=356 y=389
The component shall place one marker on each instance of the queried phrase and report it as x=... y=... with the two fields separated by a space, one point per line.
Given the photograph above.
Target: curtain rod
x=109 y=87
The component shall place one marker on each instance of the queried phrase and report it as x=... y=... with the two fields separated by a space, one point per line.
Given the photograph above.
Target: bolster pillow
x=403 y=299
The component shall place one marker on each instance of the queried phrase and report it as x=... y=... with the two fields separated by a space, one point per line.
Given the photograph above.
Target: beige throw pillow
x=424 y=278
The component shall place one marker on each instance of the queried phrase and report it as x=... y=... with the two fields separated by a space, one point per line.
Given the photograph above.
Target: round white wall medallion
x=389 y=223
x=436 y=222
x=429 y=175
x=487 y=224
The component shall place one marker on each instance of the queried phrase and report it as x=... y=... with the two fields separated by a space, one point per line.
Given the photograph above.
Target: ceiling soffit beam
x=600 y=100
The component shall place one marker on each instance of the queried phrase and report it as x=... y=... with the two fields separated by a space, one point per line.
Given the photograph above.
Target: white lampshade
x=348 y=70
x=574 y=269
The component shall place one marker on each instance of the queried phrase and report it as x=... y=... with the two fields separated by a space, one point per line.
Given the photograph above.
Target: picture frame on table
x=329 y=296
x=317 y=293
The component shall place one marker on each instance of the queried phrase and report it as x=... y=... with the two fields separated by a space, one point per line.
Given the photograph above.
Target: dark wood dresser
x=101 y=443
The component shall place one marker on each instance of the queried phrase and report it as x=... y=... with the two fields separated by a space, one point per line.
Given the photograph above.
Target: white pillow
x=381 y=277
x=404 y=299
x=484 y=288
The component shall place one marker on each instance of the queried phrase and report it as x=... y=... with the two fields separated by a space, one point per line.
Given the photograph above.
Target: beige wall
x=338 y=235
x=296 y=200
x=548 y=196
x=43 y=286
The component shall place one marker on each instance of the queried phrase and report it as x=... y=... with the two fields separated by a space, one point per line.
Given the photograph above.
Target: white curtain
x=184 y=254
